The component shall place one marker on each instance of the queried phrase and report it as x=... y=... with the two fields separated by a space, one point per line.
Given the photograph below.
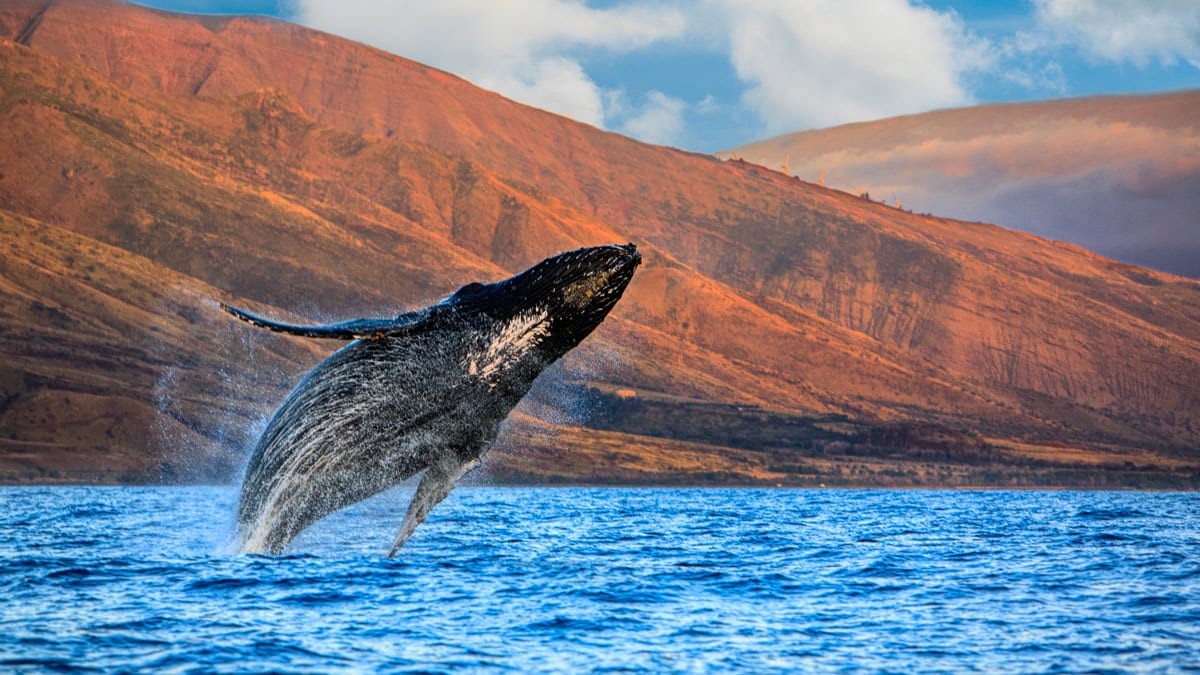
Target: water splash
x=212 y=396
x=561 y=396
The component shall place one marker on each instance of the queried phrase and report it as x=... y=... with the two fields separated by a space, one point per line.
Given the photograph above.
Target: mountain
x=779 y=332
x=1119 y=175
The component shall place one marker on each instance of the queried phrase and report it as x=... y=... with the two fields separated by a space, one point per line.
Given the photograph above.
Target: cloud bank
x=784 y=65
x=828 y=62
x=778 y=66
x=800 y=64
x=529 y=50
x=1126 y=30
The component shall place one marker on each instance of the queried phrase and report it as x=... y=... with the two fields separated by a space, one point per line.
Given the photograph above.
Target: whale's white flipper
x=439 y=479
x=354 y=329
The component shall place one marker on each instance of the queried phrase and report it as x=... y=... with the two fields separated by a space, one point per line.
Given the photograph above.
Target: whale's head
x=556 y=303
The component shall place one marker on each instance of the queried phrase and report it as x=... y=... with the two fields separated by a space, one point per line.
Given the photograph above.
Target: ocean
x=112 y=579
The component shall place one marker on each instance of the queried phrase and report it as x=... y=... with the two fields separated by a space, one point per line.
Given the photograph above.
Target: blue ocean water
x=573 y=579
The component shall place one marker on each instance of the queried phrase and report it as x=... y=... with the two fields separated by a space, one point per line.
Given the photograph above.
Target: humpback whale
x=424 y=391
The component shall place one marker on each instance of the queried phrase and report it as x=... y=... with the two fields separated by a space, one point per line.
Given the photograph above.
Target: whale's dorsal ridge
x=353 y=329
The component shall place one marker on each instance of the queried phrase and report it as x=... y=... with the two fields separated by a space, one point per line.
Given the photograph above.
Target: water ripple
x=608 y=580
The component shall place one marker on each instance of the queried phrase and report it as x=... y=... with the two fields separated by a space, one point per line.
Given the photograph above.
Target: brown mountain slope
x=759 y=289
x=1116 y=174
x=114 y=364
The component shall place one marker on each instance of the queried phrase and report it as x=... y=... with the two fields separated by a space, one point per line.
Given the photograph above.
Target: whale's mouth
x=576 y=289
x=628 y=254
x=615 y=272
x=606 y=279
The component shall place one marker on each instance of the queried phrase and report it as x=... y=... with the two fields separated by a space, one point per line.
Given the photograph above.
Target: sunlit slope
x=255 y=181
x=118 y=368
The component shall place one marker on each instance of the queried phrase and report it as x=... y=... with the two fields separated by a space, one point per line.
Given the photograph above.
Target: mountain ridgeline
x=152 y=164
x=1119 y=175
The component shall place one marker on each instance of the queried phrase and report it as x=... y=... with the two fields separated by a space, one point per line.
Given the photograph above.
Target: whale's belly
x=388 y=406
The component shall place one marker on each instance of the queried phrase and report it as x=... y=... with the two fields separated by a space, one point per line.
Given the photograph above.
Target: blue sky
x=715 y=74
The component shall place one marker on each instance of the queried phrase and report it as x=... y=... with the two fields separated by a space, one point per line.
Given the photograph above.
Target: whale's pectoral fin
x=354 y=329
x=439 y=479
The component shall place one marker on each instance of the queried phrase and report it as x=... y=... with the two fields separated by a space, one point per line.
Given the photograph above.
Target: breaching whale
x=426 y=390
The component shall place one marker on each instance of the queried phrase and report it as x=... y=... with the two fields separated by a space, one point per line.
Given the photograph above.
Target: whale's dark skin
x=423 y=391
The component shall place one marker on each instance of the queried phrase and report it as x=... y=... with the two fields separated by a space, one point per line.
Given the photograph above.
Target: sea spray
x=209 y=411
x=562 y=397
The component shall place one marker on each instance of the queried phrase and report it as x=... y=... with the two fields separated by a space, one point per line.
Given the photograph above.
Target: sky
x=709 y=75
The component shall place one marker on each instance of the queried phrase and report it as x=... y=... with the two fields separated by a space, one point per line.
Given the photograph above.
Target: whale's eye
x=469 y=290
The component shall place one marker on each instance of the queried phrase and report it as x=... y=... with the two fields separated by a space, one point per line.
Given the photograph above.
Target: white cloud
x=660 y=120
x=553 y=83
x=1048 y=77
x=1127 y=30
x=810 y=63
x=826 y=62
x=520 y=49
